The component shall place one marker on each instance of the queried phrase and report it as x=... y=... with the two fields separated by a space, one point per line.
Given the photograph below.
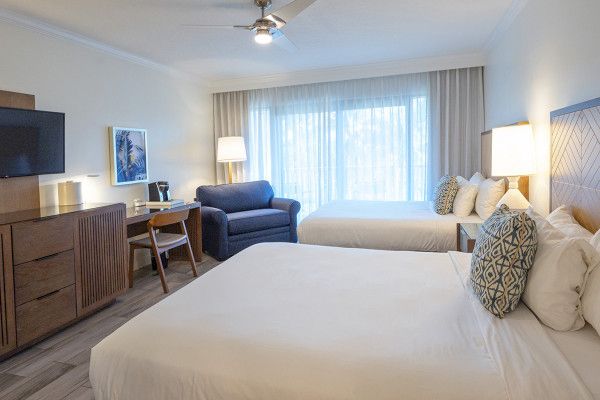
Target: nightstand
x=466 y=234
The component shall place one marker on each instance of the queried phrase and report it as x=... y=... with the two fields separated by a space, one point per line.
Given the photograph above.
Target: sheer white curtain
x=364 y=139
x=368 y=139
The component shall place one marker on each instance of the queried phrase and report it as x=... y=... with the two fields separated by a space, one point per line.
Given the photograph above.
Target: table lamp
x=231 y=149
x=513 y=156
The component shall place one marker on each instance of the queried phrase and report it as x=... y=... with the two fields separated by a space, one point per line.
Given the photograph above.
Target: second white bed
x=383 y=225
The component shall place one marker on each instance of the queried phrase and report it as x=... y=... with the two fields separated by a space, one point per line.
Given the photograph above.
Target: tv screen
x=31 y=142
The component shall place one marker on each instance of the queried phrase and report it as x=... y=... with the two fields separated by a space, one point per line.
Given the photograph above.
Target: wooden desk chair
x=160 y=242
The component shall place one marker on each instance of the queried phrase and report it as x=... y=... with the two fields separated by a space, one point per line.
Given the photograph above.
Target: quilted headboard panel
x=575 y=161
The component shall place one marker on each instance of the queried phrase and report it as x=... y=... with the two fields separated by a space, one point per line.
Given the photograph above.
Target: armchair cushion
x=236 y=197
x=256 y=220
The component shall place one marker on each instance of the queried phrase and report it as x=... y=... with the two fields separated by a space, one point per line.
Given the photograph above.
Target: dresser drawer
x=38 y=239
x=43 y=315
x=40 y=277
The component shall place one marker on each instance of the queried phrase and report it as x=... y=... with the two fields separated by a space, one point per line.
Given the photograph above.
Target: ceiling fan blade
x=287 y=12
x=247 y=27
x=282 y=41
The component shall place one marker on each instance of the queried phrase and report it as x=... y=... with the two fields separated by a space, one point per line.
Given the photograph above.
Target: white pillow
x=556 y=281
x=545 y=230
x=591 y=294
x=477 y=179
x=464 y=202
x=490 y=193
x=595 y=241
x=591 y=300
x=562 y=219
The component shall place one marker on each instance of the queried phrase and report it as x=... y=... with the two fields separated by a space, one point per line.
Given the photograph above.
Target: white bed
x=384 y=225
x=582 y=350
x=284 y=321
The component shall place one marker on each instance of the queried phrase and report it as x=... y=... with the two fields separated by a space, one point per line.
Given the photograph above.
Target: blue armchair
x=239 y=215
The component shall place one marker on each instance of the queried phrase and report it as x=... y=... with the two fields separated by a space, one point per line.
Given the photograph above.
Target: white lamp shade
x=231 y=149
x=513 y=151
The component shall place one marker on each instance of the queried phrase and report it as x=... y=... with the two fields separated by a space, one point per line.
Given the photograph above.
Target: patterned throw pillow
x=444 y=194
x=504 y=252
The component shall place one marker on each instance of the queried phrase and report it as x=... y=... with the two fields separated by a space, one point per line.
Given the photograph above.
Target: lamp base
x=230 y=172
x=513 y=182
x=513 y=198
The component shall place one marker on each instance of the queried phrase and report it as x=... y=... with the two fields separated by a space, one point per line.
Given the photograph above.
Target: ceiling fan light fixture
x=263 y=36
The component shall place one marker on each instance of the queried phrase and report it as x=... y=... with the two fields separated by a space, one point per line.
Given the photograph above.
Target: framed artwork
x=128 y=155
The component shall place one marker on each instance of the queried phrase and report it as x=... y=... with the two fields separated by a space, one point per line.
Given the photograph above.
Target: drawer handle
x=47 y=257
x=48 y=295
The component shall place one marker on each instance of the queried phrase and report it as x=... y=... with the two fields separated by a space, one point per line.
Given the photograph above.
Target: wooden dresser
x=57 y=264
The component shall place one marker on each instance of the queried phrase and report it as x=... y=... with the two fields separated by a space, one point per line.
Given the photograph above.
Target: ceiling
x=330 y=33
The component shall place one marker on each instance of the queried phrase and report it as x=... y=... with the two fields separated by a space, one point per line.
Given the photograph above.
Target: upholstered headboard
x=575 y=161
x=486 y=161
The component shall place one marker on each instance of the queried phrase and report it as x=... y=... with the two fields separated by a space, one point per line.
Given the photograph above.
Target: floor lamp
x=231 y=149
x=513 y=156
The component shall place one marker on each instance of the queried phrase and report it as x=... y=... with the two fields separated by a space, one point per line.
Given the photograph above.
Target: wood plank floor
x=57 y=368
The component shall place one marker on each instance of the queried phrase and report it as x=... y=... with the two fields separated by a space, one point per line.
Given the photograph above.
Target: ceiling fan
x=268 y=26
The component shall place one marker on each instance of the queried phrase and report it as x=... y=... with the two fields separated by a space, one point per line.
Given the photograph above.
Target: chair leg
x=161 y=271
x=190 y=254
x=131 y=259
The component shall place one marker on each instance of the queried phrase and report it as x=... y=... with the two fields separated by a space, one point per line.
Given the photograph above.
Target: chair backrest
x=168 y=218
x=236 y=197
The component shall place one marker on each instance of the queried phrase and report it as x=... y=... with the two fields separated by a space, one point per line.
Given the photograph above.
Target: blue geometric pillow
x=444 y=194
x=504 y=252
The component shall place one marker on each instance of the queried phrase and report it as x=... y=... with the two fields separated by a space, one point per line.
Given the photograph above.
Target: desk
x=137 y=217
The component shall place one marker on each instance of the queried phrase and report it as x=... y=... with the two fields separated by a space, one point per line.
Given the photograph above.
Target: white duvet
x=384 y=225
x=284 y=321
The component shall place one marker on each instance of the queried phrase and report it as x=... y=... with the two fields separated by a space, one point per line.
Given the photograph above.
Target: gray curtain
x=230 y=116
x=457 y=121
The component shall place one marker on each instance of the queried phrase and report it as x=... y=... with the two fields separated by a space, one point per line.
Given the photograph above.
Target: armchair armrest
x=214 y=232
x=293 y=208
x=214 y=216
x=289 y=205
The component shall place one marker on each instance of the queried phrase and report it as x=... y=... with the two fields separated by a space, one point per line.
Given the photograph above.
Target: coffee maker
x=159 y=191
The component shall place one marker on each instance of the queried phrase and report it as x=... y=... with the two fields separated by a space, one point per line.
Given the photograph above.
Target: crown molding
x=64 y=34
x=349 y=72
x=505 y=23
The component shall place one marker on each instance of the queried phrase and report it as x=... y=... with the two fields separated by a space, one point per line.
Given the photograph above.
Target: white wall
x=548 y=59
x=411 y=66
x=96 y=90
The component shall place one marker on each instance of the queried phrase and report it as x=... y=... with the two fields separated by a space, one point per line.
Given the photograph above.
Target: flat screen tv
x=31 y=142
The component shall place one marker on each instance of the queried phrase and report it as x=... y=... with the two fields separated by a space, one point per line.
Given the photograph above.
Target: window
x=350 y=152
x=386 y=138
